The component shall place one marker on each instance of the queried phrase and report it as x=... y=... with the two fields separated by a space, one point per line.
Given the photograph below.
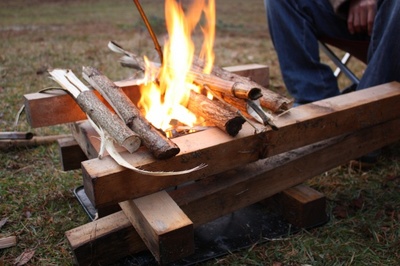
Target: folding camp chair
x=358 y=49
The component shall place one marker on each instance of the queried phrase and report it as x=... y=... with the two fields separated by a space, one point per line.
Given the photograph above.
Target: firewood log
x=269 y=100
x=160 y=146
x=216 y=112
x=96 y=110
x=108 y=121
x=219 y=80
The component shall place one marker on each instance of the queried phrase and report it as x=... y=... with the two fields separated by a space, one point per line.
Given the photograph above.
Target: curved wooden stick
x=148 y=26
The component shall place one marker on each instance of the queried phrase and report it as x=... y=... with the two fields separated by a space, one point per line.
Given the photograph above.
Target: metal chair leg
x=341 y=64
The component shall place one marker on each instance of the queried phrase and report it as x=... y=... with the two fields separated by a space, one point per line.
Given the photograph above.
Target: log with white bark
x=96 y=110
x=160 y=146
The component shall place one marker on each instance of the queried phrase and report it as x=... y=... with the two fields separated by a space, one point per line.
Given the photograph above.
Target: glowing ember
x=166 y=100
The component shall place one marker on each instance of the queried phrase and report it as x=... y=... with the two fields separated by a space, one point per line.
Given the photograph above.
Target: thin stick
x=35 y=141
x=148 y=26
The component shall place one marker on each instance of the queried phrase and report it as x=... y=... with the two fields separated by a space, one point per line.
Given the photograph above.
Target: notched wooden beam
x=165 y=229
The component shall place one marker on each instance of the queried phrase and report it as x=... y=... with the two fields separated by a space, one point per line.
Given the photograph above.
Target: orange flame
x=166 y=100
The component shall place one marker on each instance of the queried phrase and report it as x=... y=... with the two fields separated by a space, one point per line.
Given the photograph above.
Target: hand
x=361 y=16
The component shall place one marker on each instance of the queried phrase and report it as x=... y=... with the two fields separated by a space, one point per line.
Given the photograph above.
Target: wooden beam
x=108 y=183
x=231 y=191
x=46 y=109
x=294 y=203
x=334 y=116
x=58 y=107
x=71 y=154
x=94 y=244
x=256 y=72
x=303 y=206
x=166 y=230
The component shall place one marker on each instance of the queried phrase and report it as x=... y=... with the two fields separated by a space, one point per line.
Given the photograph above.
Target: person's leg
x=384 y=50
x=294 y=27
x=383 y=55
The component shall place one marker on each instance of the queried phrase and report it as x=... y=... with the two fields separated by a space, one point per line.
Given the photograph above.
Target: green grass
x=37 y=197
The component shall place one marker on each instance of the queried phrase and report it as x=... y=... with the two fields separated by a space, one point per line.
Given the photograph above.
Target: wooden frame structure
x=242 y=170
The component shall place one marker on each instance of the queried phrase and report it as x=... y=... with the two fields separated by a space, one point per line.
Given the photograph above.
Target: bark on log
x=160 y=146
x=236 y=89
x=239 y=89
x=239 y=104
x=216 y=112
x=270 y=100
x=108 y=121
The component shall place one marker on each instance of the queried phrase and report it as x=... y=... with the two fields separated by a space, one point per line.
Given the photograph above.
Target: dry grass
x=36 y=196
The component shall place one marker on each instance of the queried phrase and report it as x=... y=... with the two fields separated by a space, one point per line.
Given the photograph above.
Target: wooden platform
x=240 y=171
x=108 y=183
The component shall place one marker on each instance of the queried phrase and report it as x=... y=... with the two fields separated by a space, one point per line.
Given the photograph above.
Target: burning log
x=96 y=110
x=269 y=100
x=160 y=146
x=240 y=87
x=250 y=109
x=235 y=89
x=216 y=112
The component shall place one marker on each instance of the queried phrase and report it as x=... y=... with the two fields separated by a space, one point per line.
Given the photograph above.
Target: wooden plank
x=58 y=107
x=166 y=230
x=108 y=183
x=235 y=189
x=334 y=116
x=256 y=72
x=71 y=154
x=87 y=138
x=94 y=243
x=46 y=109
x=303 y=206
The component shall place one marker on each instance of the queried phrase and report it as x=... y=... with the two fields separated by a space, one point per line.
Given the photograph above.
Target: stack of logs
x=227 y=112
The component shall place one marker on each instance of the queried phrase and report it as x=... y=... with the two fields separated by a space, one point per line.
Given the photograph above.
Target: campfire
x=166 y=100
x=183 y=91
x=247 y=159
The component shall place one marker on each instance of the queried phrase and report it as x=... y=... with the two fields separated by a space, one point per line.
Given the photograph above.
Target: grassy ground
x=36 y=197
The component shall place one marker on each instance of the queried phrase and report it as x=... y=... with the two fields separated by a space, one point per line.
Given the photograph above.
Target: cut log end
x=132 y=143
x=234 y=125
x=216 y=113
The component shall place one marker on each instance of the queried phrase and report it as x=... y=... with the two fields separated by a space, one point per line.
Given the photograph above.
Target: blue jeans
x=295 y=26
